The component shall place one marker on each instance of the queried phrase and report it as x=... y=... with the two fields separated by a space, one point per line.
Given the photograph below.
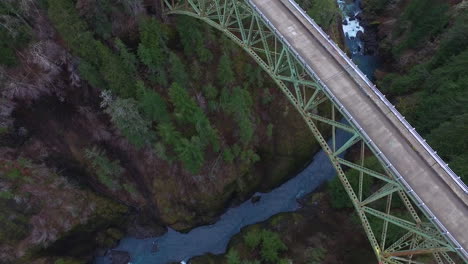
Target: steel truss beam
x=383 y=210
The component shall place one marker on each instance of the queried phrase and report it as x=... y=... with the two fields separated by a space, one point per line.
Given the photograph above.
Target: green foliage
x=187 y=110
x=253 y=239
x=451 y=140
x=14 y=221
x=375 y=6
x=13 y=174
x=106 y=170
x=444 y=95
x=239 y=103
x=114 y=72
x=160 y=150
x=269 y=131
x=73 y=30
x=316 y=255
x=6 y=195
x=233 y=257
x=152 y=50
x=228 y=156
x=68 y=261
x=249 y=156
x=324 y=12
x=128 y=59
x=169 y=134
x=178 y=72
x=98 y=16
x=125 y=116
x=206 y=132
x=191 y=153
x=394 y=232
x=454 y=41
x=267 y=97
x=151 y=104
x=99 y=65
x=255 y=77
x=339 y=196
x=210 y=91
x=14 y=33
x=185 y=106
x=403 y=84
x=192 y=35
x=271 y=246
x=269 y=242
x=225 y=73
x=421 y=20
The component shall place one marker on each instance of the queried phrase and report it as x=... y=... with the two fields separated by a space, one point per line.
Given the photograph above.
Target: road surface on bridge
x=426 y=177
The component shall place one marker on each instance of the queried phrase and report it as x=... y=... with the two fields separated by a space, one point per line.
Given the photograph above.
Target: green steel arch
x=398 y=230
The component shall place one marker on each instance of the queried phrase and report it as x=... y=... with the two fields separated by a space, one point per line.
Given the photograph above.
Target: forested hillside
x=118 y=121
x=425 y=49
x=140 y=123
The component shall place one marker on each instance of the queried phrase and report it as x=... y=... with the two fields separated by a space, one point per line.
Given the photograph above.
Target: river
x=179 y=247
x=351 y=11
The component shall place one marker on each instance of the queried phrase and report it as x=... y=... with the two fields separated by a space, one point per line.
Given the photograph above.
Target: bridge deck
x=433 y=185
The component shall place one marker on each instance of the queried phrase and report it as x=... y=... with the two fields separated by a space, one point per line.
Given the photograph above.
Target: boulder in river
x=255 y=199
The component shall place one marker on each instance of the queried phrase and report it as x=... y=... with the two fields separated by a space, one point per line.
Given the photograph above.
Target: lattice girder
x=387 y=202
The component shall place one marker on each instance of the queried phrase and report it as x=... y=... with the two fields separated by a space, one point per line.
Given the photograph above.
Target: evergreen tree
x=225 y=73
x=128 y=59
x=192 y=36
x=178 y=72
x=185 y=107
x=125 y=116
x=169 y=134
x=152 y=50
x=191 y=153
x=151 y=104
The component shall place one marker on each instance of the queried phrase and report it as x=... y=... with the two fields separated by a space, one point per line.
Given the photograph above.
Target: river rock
x=255 y=199
x=119 y=257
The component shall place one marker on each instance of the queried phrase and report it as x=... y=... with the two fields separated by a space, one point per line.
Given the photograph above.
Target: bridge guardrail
x=429 y=214
x=379 y=94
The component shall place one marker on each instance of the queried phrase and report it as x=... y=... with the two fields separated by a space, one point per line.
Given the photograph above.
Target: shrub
x=253 y=238
x=125 y=116
x=339 y=196
x=324 y=12
x=228 y=156
x=151 y=104
x=192 y=36
x=106 y=170
x=11 y=41
x=128 y=59
x=152 y=50
x=225 y=73
x=269 y=131
x=210 y=91
x=178 y=72
x=191 y=153
x=271 y=246
x=421 y=20
x=185 y=107
x=96 y=57
x=233 y=257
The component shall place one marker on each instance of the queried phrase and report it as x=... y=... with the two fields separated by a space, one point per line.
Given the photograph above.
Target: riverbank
x=316 y=233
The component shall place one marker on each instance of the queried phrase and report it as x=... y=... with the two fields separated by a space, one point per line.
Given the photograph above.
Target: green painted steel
x=398 y=231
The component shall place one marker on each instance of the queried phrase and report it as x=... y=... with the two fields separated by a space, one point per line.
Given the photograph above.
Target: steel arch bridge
x=417 y=208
